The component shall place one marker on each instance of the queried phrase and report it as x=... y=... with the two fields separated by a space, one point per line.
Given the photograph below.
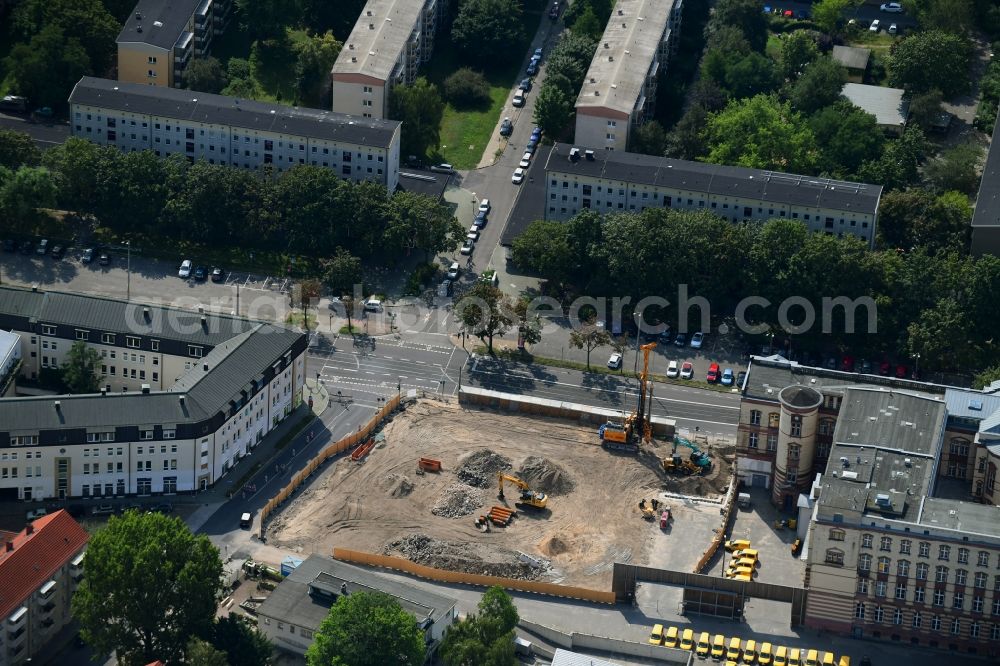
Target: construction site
x=534 y=498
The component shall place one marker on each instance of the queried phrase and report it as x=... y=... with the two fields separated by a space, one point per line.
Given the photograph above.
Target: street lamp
x=916 y=366
x=128 y=271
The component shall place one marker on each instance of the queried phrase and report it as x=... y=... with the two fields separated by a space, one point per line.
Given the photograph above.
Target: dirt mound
x=397 y=485
x=545 y=476
x=554 y=545
x=480 y=468
x=458 y=500
x=470 y=557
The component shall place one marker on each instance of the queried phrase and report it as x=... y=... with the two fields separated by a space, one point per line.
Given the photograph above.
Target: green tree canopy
x=149 y=585
x=745 y=15
x=419 y=222
x=762 y=133
x=342 y=272
x=955 y=16
x=925 y=109
x=820 y=85
x=201 y=653
x=46 y=68
x=467 y=87
x=485 y=30
x=266 y=18
x=18 y=149
x=919 y=218
x=85 y=21
x=848 y=137
x=486 y=312
x=420 y=108
x=830 y=14
x=931 y=60
x=649 y=138
x=956 y=168
x=243 y=644
x=798 y=49
x=367 y=629
x=314 y=58
x=205 y=74
x=554 y=110
x=485 y=638
x=588 y=24
x=80 y=369
x=897 y=166
x=25 y=191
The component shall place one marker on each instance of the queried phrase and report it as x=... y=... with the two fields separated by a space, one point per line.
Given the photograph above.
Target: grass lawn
x=465 y=132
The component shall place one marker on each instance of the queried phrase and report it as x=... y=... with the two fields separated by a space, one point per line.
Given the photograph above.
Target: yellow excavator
x=637 y=426
x=528 y=497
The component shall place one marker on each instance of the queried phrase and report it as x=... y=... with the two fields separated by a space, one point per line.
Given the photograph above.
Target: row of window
x=111 y=371
x=924 y=549
x=896 y=616
x=881 y=589
x=13 y=455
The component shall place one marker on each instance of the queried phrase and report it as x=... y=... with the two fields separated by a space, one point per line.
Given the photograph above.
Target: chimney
x=589 y=154
x=10 y=546
x=145 y=389
x=104 y=391
x=204 y=321
x=28 y=529
x=201 y=309
x=145 y=313
x=57 y=404
x=204 y=366
x=181 y=399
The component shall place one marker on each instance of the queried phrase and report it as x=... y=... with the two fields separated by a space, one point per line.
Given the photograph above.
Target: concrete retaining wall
x=579 y=641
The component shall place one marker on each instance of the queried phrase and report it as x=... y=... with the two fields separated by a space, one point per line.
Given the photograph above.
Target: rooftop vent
x=589 y=154
x=104 y=391
x=157 y=24
x=845 y=461
x=850 y=476
x=138 y=28
x=606 y=45
x=354 y=59
x=882 y=500
x=10 y=546
x=371 y=26
x=621 y=13
x=145 y=313
x=368 y=13
x=976 y=405
x=138 y=16
x=574 y=154
x=201 y=309
x=145 y=389
x=180 y=399
x=204 y=366
x=57 y=404
x=908 y=462
x=611 y=58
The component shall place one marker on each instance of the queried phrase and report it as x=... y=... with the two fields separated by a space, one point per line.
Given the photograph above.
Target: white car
x=518 y=176
x=185 y=269
x=892 y=8
x=687 y=370
x=673 y=370
x=473 y=233
x=893 y=29
x=615 y=362
x=453 y=271
x=525 y=161
x=697 y=339
x=468 y=247
x=484 y=206
x=874 y=26
x=518 y=100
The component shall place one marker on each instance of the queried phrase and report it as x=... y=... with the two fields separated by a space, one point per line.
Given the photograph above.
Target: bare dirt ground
x=383 y=505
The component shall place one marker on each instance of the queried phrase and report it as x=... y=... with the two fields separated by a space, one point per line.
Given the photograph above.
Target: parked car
x=484 y=206
x=727 y=377
x=518 y=100
x=87 y=256
x=847 y=364
x=43 y=247
x=666 y=335
x=57 y=252
x=673 y=370
x=518 y=176
x=554 y=11
x=866 y=366
x=525 y=161
x=480 y=220
x=443 y=168
x=713 y=373
x=892 y=29
x=536 y=133
x=473 y=233
x=218 y=275
x=741 y=378
x=531 y=145
x=697 y=339
x=9 y=245
x=902 y=371
x=506 y=127
x=788 y=13
x=874 y=26
x=163 y=507
x=37 y=513
x=681 y=339
x=201 y=274
x=26 y=247
x=467 y=247
x=103 y=510
x=104 y=259
x=615 y=361
x=185 y=270
x=802 y=15
x=687 y=370
x=891 y=8
x=526 y=84
x=454 y=270
x=532 y=68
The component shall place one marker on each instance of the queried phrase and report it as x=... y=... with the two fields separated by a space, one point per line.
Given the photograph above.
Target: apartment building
x=10 y=361
x=184 y=396
x=619 y=91
x=616 y=181
x=161 y=37
x=386 y=47
x=40 y=568
x=236 y=132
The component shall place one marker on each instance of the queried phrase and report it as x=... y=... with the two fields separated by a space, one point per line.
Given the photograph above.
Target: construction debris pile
x=480 y=468
x=470 y=557
x=545 y=476
x=397 y=485
x=458 y=500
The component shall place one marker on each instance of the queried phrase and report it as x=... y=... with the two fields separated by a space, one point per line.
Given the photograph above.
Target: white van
x=246 y=520
x=373 y=305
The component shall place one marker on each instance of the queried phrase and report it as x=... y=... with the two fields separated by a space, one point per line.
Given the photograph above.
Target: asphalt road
x=45 y=134
x=864 y=14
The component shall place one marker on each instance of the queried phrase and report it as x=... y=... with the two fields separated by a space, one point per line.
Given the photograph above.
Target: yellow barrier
x=445 y=576
x=727 y=511
x=331 y=450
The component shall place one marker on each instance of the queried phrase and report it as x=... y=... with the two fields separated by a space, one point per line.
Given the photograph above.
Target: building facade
x=386 y=47
x=619 y=90
x=184 y=396
x=234 y=132
x=617 y=181
x=10 y=361
x=160 y=38
x=40 y=568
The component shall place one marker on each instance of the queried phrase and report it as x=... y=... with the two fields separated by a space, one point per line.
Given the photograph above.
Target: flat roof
x=987 y=212
x=717 y=179
x=970 y=517
x=424 y=181
x=292 y=602
x=886 y=104
x=200 y=107
x=617 y=73
x=890 y=419
x=378 y=38
x=852 y=57
x=971 y=404
x=159 y=23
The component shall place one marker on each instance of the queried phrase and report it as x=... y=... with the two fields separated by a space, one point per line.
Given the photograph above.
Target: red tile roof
x=56 y=538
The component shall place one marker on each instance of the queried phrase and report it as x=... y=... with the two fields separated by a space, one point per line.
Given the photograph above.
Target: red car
x=901 y=371
x=847 y=364
x=883 y=368
x=713 y=373
x=788 y=13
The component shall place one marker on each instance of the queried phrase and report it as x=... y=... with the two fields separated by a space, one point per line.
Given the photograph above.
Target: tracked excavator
x=637 y=427
x=528 y=498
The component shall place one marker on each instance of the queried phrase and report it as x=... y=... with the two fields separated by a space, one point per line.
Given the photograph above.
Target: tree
x=649 y=138
x=847 y=136
x=588 y=24
x=314 y=58
x=264 y=18
x=745 y=15
x=820 y=85
x=18 y=149
x=77 y=162
x=367 y=629
x=46 y=68
x=918 y=218
x=925 y=109
x=201 y=653
x=149 y=585
x=243 y=644
x=26 y=191
x=544 y=249
x=486 y=30
x=529 y=328
x=486 y=312
x=589 y=336
x=467 y=87
x=342 y=272
x=687 y=140
x=798 y=49
x=80 y=369
x=553 y=110
x=897 y=166
x=955 y=168
x=306 y=294
x=420 y=108
x=205 y=74
x=419 y=222
x=931 y=60
x=829 y=14
x=485 y=638
x=85 y=22
x=986 y=377
x=761 y=133
x=955 y=16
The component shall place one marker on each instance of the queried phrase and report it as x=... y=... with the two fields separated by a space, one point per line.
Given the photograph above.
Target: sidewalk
x=264 y=452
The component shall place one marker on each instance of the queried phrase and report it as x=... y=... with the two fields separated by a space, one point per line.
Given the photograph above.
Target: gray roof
x=966 y=517
x=891 y=419
x=378 y=38
x=96 y=313
x=200 y=107
x=852 y=57
x=987 y=213
x=773 y=186
x=291 y=602
x=233 y=364
x=886 y=104
x=971 y=404
x=162 y=22
x=569 y=658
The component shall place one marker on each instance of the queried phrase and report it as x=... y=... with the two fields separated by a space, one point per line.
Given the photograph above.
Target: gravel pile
x=397 y=485
x=467 y=557
x=458 y=500
x=543 y=475
x=480 y=468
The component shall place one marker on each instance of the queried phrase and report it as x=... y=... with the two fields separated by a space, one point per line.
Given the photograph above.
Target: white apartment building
x=184 y=396
x=386 y=47
x=616 y=181
x=619 y=91
x=40 y=568
x=236 y=132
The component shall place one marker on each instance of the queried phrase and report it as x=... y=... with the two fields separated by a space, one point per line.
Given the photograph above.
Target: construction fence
x=330 y=451
x=445 y=576
x=727 y=511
